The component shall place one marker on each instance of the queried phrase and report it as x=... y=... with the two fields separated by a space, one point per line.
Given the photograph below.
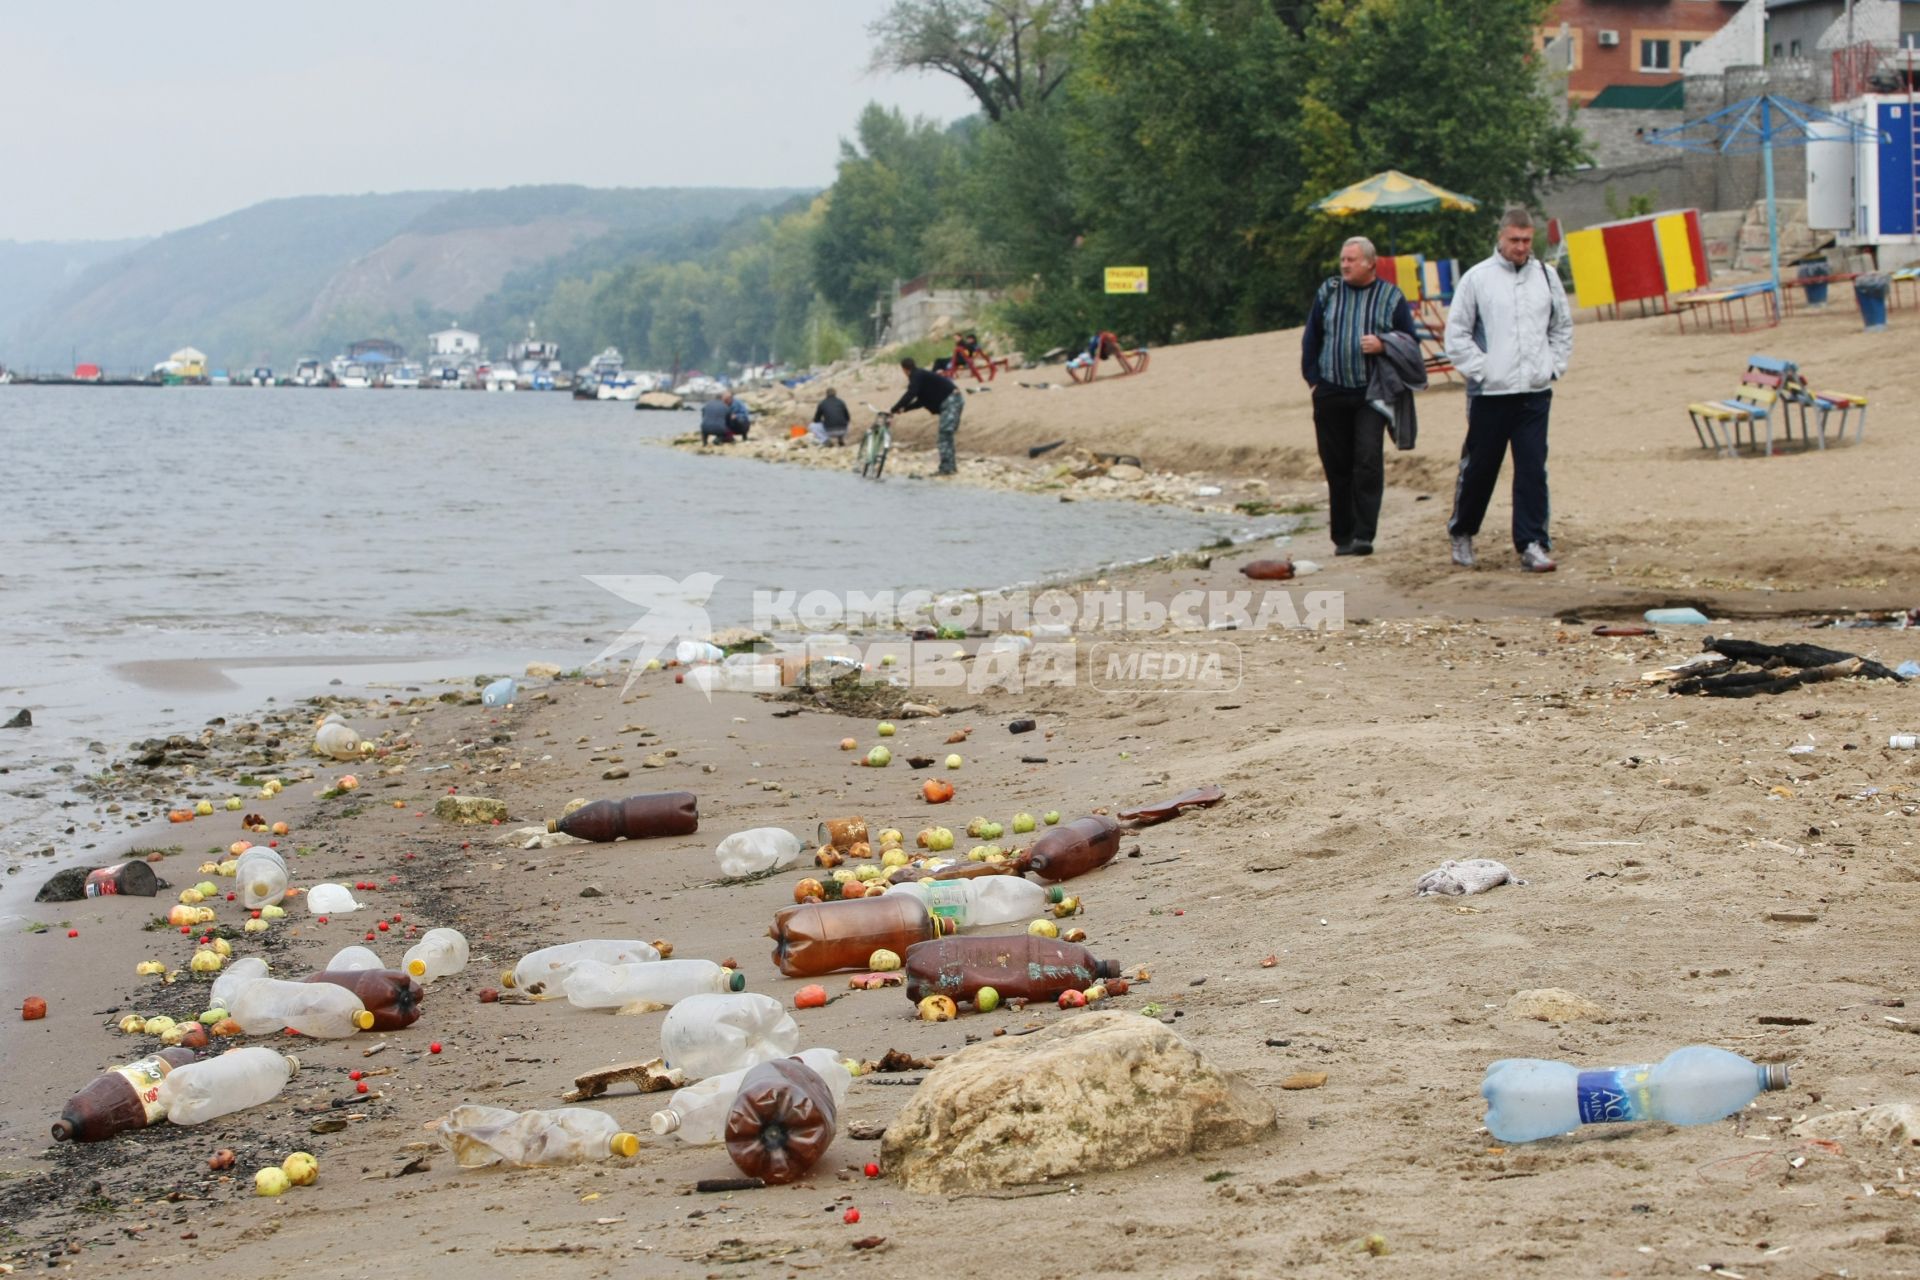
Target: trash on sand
x=212 y=1087
x=593 y=985
x=1814 y=664
x=321 y=1010
x=781 y=1122
x=391 y=996
x=1073 y=848
x=547 y=968
x=821 y=937
x=1028 y=967
x=651 y=1076
x=1529 y=1099
x=480 y=1136
x=697 y=1114
x=127 y=1097
x=331 y=900
x=1677 y=617
x=1470 y=875
x=439 y=953
x=641 y=817
x=748 y=853
x=1268 y=570
x=709 y=1035
x=1198 y=798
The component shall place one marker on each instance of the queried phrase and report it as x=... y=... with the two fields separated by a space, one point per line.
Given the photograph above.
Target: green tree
x=1011 y=54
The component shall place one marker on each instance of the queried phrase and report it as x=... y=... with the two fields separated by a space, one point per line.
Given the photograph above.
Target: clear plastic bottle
x=983 y=901
x=500 y=692
x=698 y=1113
x=732 y=676
x=709 y=1035
x=746 y=853
x=1529 y=1098
x=592 y=985
x=234 y=1081
x=479 y=1136
x=353 y=959
x=688 y=652
x=320 y=1010
x=239 y=974
x=337 y=740
x=547 y=968
x=438 y=953
x=331 y=900
x=261 y=874
x=1903 y=741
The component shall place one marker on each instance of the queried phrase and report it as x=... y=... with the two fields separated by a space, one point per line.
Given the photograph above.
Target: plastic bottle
x=234 y=1081
x=261 y=874
x=1903 y=741
x=754 y=675
x=697 y=1114
x=1014 y=965
x=479 y=1136
x=127 y=1097
x=135 y=878
x=227 y=987
x=438 y=953
x=667 y=813
x=781 y=1122
x=353 y=959
x=499 y=693
x=1073 y=848
x=820 y=937
x=592 y=985
x=321 y=1010
x=688 y=652
x=709 y=1035
x=389 y=995
x=336 y=739
x=547 y=968
x=983 y=901
x=331 y=900
x=746 y=853
x=1529 y=1099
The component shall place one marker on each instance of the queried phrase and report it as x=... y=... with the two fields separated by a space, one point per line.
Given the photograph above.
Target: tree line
x=1191 y=137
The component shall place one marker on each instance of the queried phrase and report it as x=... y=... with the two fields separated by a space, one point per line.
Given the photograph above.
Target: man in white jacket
x=1510 y=334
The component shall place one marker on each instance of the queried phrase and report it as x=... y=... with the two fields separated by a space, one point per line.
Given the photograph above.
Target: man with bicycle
x=937 y=395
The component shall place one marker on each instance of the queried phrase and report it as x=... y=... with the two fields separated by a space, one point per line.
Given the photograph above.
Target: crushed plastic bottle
x=227 y=987
x=748 y=853
x=592 y=985
x=320 y=1010
x=697 y=1114
x=261 y=874
x=233 y=1081
x=710 y=1035
x=547 y=968
x=480 y=1136
x=127 y=1097
x=354 y=959
x=331 y=900
x=336 y=740
x=988 y=900
x=438 y=953
x=499 y=693
x=1529 y=1098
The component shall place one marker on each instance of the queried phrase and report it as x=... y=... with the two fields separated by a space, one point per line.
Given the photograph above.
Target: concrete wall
x=1617 y=137
x=917 y=315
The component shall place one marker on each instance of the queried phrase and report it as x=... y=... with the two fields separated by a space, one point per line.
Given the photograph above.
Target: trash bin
x=1813 y=281
x=1870 y=291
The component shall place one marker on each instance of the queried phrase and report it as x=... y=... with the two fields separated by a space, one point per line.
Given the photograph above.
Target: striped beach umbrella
x=1392 y=193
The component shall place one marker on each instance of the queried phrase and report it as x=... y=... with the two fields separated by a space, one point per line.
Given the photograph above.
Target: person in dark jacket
x=739 y=417
x=713 y=420
x=1349 y=314
x=937 y=395
x=833 y=417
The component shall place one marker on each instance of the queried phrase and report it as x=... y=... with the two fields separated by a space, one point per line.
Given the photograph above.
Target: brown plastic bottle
x=664 y=813
x=390 y=995
x=1073 y=849
x=124 y=1098
x=820 y=937
x=782 y=1121
x=1015 y=965
x=956 y=871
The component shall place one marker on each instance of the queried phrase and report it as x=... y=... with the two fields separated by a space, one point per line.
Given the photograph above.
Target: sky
x=122 y=119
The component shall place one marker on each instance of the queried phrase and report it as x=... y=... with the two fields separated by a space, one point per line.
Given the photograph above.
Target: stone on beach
x=1555 y=1004
x=1893 y=1124
x=542 y=670
x=1104 y=1090
x=470 y=809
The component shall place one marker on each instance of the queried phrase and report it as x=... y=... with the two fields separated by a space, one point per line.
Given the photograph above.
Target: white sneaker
x=1536 y=560
x=1463 y=550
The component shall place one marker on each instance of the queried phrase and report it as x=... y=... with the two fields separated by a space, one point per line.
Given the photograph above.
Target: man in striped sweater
x=1348 y=316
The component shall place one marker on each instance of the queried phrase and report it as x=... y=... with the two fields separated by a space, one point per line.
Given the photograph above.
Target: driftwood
x=1780 y=667
x=649 y=1077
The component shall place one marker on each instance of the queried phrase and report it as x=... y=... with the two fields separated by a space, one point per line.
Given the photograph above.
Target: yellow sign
x=1126 y=279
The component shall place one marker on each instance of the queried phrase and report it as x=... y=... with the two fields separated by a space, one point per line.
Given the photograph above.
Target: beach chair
x=1105 y=344
x=1430 y=327
x=1823 y=405
x=1750 y=406
x=968 y=355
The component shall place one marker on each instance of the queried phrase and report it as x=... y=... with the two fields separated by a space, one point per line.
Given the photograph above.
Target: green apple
x=885 y=729
x=1022 y=823
x=954 y=761
x=888 y=659
x=940 y=840
x=993 y=831
x=879 y=758
x=1050 y=817
x=986 y=1000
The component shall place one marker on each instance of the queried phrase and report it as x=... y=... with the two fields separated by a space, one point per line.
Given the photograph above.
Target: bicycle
x=875 y=445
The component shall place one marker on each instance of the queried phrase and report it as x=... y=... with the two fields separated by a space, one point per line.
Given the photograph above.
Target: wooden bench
x=1750 y=405
x=1705 y=304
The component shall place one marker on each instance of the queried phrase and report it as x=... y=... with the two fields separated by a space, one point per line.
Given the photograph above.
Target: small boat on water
x=406 y=376
x=503 y=378
x=261 y=377
x=310 y=373
x=354 y=377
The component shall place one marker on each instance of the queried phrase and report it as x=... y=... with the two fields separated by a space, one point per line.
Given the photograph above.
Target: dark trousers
x=1352 y=440
x=1493 y=424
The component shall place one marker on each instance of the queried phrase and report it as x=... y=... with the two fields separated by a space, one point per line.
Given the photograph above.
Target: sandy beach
x=1685 y=873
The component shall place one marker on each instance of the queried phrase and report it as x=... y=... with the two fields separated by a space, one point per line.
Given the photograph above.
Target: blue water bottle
x=1529 y=1099
x=500 y=692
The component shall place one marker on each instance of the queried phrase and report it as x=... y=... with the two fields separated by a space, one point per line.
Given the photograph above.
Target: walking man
x=1510 y=334
x=936 y=394
x=1349 y=314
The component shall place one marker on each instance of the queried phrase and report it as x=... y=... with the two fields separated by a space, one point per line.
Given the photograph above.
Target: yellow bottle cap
x=418 y=968
x=625 y=1145
x=363 y=1020
x=506 y=978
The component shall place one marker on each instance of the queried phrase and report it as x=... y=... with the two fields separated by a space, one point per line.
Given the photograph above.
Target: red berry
x=873 y=1170
x=73 y=933
x=183 y=928
x=369 y=937
x=384 y=926
x=355 y=1075
x=273 y=844
x=256 y=916
x=1179 y=912
x=229 y=897
x=396 y=918
x=850 y=1217
x=361 y=1087
x=434 y=1047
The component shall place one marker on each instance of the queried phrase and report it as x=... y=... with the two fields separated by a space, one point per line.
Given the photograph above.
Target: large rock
x=1105 y=1090
x=470 y=809
x=1556 y=1004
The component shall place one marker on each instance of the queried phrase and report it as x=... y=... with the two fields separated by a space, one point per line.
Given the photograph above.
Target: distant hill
x=305 y=276
x=31 y=273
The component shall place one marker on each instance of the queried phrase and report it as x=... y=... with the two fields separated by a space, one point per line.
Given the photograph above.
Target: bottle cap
x=665 y=1122
x=736 y=980
x=506 y=978
x=552 y=826
x=1776 y=1076
x=945 y=926
x=363 y=1020
x=1056 y=894
x=1107 y=968
x=625 y=1145
x=293 y=1065
x=418 y=968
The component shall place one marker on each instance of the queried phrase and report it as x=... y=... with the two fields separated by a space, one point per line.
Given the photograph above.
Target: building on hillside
x=453 y=344
x=1636 y=44
x=378 y=350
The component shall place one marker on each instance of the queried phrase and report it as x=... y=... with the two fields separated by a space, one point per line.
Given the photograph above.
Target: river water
x=167 y=555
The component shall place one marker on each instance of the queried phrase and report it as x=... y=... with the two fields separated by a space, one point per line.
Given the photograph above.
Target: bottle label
x=1614 y=1095
x=946 y=899
x=145 y=1077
